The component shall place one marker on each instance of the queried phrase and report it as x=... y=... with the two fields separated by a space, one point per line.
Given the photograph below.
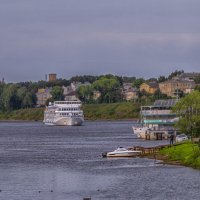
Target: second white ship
x=64 y=113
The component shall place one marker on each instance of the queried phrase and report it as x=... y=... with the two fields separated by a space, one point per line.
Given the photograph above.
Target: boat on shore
x=122 y=152
x=157 y=121
x=64 y=113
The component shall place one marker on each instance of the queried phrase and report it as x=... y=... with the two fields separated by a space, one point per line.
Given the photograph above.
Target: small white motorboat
x=122 y=152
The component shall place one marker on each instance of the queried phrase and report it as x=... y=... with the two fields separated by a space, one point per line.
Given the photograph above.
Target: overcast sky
x=142 y=38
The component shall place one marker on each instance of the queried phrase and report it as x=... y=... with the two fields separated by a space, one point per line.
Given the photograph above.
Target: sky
x=141 y=38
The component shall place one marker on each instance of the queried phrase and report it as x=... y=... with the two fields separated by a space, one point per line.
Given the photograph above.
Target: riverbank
x=112 y=111
x=186 y=154
x=29 y=114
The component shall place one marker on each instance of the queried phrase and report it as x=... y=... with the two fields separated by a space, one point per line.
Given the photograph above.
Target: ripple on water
x=40 y=162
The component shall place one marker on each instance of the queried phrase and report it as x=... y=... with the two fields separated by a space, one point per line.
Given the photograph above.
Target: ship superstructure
x=64 y=113
x=157 y=120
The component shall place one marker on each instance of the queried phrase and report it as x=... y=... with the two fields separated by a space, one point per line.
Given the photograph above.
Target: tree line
x=23 y=94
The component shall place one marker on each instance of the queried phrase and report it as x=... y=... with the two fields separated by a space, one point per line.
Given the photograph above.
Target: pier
x=149 y=150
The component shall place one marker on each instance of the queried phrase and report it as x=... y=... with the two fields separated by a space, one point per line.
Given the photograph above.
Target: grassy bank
x=187 y=154
x=112 y=111
x=35 y=114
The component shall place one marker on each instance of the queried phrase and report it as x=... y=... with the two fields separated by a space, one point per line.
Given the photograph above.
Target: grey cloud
x=125 y=37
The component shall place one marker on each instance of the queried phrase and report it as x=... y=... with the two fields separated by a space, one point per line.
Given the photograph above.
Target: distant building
x=76 y=85
x=189 y=76
x=52 y=77
x=71 y=89
x=43 y=95
x=127 y=86
x=2 y=81
x=150 y=87
x=170 y=87
x=67 y=90
x=129 y=92
x=45 y=77
x=96 y=95
x=72 y=96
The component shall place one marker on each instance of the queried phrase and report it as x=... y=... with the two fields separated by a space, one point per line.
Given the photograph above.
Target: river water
x=64 y=163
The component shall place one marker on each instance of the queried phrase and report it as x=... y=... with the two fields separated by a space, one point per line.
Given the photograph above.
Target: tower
x=52 y=77
x=46 y=77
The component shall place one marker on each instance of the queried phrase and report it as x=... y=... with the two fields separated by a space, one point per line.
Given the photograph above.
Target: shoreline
x=163 y=159
x=184 y=154
x=24 y=120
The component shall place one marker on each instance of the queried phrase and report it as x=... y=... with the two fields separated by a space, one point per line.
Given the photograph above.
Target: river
x=64 y=163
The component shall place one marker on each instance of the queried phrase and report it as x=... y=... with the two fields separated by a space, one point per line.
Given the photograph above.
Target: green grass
x=112 y=111
x=23 y=114
x=187 y=154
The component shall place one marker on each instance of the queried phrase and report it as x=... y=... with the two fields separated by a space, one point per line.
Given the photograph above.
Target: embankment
x=186 y=154
x=112 y=111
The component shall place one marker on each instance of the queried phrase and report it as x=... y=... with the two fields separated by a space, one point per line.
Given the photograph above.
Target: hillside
x=112 y=111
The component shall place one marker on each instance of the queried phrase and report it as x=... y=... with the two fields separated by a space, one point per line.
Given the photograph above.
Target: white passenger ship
x=64 y=113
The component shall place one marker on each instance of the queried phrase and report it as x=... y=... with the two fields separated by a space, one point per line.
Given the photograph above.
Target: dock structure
x=157 y=121
x=148 y=150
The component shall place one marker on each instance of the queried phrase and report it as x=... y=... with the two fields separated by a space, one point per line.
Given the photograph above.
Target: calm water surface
x=64 y=163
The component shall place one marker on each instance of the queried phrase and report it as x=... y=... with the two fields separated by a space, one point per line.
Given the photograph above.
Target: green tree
x=188 y=110
x=175 y=73
x=197 y=79
x=161 y=79
x=197 y=87
x=28 y=100
x=109 y=87
x=21 y=93
x=85 y=93
x=9 y=97
x=1 y=100
x=159 y=95
x=57 y=93
x=138 y=82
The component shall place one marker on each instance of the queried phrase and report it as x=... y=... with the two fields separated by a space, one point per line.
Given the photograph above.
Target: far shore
x=24 y=120
x=112 y=111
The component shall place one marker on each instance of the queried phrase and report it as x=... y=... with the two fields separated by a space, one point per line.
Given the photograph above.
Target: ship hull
x=66 y=121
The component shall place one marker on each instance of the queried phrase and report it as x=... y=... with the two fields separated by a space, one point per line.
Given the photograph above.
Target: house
x=43 y=95
x=189 y=76
x=127 y=86
x=170 y=87
x=96 y=94
x=72 y=96
x=67 y=90
x=150 y=87
x=73 y=87
x=129 y=92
